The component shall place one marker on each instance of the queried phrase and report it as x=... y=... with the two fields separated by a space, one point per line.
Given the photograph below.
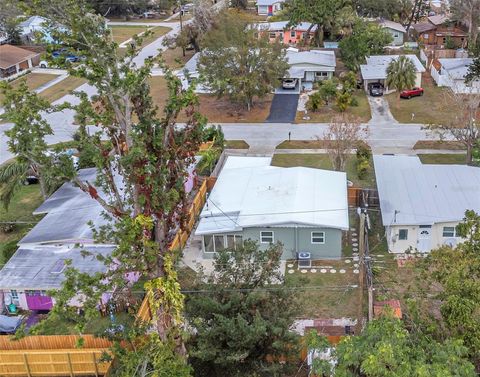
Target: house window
x=14 y=294
x=266 y=237
x=208 y=243
x=403 y=234
x=321 y=74
x=425 y=36
x=449 y=231
x=444 y=40
x=395 y=35
x=219 y=242
x=234 y=241
x=272 y=35
x=292 y=34
x=318 y=237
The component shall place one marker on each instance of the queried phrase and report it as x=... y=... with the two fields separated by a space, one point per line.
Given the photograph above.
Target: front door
x=424 y=236
x=38 y=300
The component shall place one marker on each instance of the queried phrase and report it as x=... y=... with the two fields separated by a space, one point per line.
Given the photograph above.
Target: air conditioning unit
x=304 y=260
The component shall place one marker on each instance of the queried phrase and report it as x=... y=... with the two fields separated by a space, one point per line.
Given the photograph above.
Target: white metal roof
x=251 y=193
x=457 y=68
x=281 y=25
x=42 y=267
x=425 y=194
x=313 y=57
x=376 y=67
x=268 y=2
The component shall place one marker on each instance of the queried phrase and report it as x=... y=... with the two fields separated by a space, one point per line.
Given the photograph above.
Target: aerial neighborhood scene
x=240 y=188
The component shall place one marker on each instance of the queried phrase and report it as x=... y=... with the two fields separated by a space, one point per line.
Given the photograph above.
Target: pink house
x=288 y=36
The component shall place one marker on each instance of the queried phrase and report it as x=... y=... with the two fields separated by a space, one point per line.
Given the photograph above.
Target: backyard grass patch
x=236 y=144
x=63 y=88
x=438 y=144
x=440 y=158
x=309 y=144
x=174 y=58
x=248 y=15
x=322 y=161
x=33 y=81
x=325 y=114
x=325 y=295
x=124 y=32
x=25 y=201
x=434 y=107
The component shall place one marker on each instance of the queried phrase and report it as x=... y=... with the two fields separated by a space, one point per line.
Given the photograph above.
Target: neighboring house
x=305 y=209
x=30 y=28
x=451 y=72
x=421 y=205
x=306 y=66
x=311 y=66
x=376 y=69
x=39 y=263
x=269 y=7
x=288 y=36
x=14 y=59
x=437 y=30
x=396 y=30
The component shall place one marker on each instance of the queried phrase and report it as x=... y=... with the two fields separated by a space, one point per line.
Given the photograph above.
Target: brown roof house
x=437 y=30
x=15 y=59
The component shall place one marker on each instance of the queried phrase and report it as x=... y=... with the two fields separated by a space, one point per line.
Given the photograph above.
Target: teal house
x=305 y=209
x=396 y=30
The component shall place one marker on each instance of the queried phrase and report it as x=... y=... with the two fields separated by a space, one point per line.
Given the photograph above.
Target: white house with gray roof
x=396 y=30
x=451 y=72
x=306 y=66
x=269 y=7
x=305 y=209
x=422 y=204
x=376 y=69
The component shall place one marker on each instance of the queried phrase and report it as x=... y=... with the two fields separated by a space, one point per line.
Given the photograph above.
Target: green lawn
x=236 y=144
x=63 y=88
x=439 y=144
x=33 y=81
x=325 y=114
x=451 y=159
x=21 y=207
x=123 y=33
x=322 y=161
x=317 y=298
x=434 y=107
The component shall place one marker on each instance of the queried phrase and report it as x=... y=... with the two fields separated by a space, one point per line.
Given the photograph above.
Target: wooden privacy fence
x=57 y=355
x=358 y=197
x=50 y=363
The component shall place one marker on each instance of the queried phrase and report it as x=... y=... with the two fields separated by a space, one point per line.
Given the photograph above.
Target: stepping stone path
x=342 y=271
x=290 y=265
x=352 y=229
x=333 y=271
x=356 y=271
x=303 y=271
x=313 y=270
x=355 y=265
x=355 y=244
x=355 y=249
x=291 y=271
x=323 y=271
x=356 y=259
x=348 y=261
x=354 y=239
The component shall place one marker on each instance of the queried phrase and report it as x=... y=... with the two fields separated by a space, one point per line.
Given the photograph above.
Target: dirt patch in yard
x=174 y=59
x=437 y=144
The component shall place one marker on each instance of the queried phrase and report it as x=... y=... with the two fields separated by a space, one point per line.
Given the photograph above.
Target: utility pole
x=361 y=275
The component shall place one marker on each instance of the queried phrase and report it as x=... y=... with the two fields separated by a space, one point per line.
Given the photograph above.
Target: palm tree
x=401 y=74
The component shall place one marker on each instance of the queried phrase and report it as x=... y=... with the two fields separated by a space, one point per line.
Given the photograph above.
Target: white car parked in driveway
x=289 y=83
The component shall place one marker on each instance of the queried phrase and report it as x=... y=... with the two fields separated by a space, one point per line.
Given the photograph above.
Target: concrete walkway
x=380 y=111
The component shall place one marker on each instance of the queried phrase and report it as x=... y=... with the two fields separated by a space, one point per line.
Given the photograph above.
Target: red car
x=415 y=92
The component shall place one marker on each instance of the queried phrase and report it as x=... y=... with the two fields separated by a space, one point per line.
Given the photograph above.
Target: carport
x=293 y=73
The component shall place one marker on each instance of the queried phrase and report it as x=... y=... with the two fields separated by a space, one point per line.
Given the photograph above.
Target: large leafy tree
x=418 y=10
x=452 y=308
x=400 y=74
x=331 y=17
x=397 y=10
x=366 y=39
x=468 y=13
x=242 y=315
x=150 y=154
x=387 y=348
x=239 y=65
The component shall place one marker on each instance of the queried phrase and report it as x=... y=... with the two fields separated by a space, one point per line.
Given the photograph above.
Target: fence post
x=95 y=364
x=27 y=367
x=70 y=364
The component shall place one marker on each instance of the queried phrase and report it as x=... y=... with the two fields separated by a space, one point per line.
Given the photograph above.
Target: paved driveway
x=380 y=111
x=283 y=108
